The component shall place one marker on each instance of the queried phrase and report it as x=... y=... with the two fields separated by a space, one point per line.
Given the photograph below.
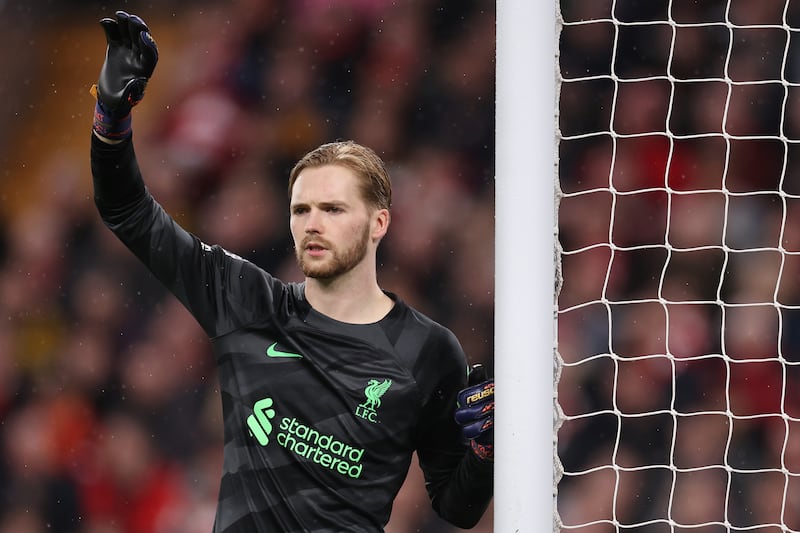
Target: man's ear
x=380 y=223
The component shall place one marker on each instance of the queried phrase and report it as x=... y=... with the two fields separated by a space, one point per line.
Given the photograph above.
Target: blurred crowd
x=679 y=332
x=109 y=408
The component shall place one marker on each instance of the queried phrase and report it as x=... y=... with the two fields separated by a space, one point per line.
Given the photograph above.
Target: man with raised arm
x=328 y=386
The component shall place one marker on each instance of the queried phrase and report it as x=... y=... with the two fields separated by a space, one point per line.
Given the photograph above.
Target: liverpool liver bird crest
x=374 y=391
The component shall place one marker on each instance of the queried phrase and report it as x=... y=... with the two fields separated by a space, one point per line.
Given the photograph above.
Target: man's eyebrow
x=333 y=203
x=322 y=205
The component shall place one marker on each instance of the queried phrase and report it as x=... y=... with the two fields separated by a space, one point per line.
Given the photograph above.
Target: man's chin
x=317 y=271
x=318 y=275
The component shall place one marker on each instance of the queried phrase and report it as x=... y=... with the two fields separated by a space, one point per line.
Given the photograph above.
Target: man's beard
x=339 y=263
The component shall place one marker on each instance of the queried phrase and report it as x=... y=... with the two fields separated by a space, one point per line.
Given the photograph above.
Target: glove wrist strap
x=109 y=127
x=484 y=452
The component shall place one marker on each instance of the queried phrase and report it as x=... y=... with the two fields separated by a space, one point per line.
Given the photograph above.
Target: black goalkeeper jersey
x=320 y=417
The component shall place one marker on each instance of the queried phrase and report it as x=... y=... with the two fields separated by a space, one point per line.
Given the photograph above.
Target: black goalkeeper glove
x=131 y=57
x=475 y=413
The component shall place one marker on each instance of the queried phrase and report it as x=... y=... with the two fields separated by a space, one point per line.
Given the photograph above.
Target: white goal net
x=678 y=349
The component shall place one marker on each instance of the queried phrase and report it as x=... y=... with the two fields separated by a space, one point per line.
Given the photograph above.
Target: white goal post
x=678 y=318
x=525 y=222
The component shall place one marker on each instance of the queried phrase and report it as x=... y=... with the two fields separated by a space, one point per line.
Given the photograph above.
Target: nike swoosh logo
x=272 y=351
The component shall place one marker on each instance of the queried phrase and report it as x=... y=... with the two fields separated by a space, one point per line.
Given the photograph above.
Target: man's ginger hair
x=369 y=168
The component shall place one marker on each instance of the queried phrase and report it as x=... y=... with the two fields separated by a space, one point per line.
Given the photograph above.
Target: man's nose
x=314 y=221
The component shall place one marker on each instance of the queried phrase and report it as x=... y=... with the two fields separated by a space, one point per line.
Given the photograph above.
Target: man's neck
x=348 y=300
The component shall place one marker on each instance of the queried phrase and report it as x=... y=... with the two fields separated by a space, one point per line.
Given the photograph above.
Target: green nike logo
x=274 y=352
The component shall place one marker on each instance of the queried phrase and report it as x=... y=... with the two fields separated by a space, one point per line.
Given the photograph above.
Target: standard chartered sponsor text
x=322 y=449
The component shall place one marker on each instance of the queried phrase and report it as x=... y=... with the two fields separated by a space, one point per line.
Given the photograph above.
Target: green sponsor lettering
x=305 y=441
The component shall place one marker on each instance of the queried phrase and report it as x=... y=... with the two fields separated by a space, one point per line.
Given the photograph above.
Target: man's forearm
x=464 y=499
x=115 y=175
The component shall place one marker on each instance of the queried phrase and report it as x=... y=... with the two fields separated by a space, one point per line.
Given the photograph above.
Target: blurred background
x=678 y=323
x=109 y=410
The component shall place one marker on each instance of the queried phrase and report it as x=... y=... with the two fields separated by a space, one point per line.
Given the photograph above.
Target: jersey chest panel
x=336 y=406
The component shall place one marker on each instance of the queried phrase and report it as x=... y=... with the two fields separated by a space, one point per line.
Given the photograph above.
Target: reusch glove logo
x=485 y=391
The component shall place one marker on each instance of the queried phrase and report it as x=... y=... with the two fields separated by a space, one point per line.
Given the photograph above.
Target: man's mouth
x=314 y=248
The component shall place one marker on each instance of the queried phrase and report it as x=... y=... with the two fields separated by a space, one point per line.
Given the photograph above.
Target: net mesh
x=678 y=349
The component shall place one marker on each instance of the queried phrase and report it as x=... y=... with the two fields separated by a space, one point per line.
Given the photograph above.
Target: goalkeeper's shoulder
x=434 y=330
x=441 y=346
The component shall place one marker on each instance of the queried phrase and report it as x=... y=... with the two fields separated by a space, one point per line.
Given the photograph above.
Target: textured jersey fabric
x=320 y=417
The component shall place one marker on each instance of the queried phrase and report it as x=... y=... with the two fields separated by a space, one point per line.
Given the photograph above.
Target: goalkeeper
x=328 y=386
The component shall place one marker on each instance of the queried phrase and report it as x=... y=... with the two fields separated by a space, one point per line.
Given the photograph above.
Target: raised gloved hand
x=475 y=413
x=131 y=57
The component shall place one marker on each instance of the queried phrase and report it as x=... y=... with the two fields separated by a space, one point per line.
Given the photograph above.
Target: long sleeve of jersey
x=320 y=418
